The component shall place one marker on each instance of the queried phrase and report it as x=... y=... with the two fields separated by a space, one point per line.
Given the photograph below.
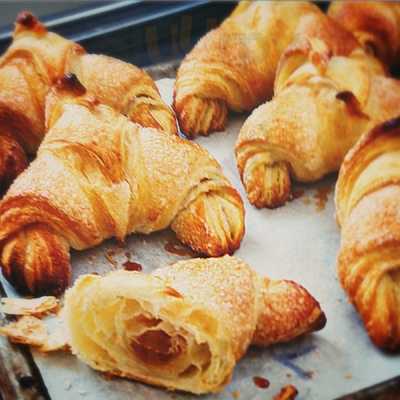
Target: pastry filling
x=157 y=347
x=165 y=349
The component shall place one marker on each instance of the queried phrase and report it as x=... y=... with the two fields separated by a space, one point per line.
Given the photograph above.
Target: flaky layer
x=27 y=69
x=233 y=66
x=183 y=327
x=376 y=24
x=367 y=208
x=133 y=94
x=328 y=91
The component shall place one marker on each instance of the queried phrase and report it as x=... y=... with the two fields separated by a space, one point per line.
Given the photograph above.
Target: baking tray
x=138 y=31
x=299 y=242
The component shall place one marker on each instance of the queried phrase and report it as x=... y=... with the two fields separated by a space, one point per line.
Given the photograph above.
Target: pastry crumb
x=288 y=392
x=67 y=385
x=236 y=394
x=109 y=254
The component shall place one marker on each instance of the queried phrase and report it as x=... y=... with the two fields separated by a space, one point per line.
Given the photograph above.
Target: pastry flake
x=36 y=307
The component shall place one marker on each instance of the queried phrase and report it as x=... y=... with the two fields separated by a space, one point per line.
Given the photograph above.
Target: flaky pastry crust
x=328 y=91
x=376 y=25
x=367 y=207
x=34 y=62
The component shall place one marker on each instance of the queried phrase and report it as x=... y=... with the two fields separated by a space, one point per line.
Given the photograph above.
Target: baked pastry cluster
x=328 y=92
x=98 y=175
x=109 y=163
x=35 y=60
x=332 y=86
x=233 y=67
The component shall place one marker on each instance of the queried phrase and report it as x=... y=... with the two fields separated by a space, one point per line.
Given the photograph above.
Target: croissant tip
x=70 y=83
x=27 y=19
x=319 y=323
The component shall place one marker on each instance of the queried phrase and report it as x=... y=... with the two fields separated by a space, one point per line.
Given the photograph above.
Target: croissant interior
x=172 y=344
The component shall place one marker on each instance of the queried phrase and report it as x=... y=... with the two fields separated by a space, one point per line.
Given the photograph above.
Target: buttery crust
x=34 y=61
x=27 y=69
x=126 y=88
x=376 y=24
x=328 y=91
x=233 y=67
x=98 y=175
x=367 y=207
x=184 y=327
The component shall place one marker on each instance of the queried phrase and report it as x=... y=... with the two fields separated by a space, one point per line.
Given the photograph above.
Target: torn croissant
x=328 y=91
x=185 y=326
x=98 y=175
x=34 y=61
x=368 y=210
x=233 y=67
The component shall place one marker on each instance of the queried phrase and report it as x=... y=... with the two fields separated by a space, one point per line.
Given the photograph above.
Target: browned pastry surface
x=184 y=326
x=233 y=67
x=328 y=91
x=368 y=209
x=376 y=24
x=34 y=61
x=99 y=175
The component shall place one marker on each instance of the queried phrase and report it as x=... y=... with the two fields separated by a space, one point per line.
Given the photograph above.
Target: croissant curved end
x=213 y=224
x=12 y=161
x=288 y=311
x=36 y=261
x=377 y=306
x=267 y=184
x=200 y=116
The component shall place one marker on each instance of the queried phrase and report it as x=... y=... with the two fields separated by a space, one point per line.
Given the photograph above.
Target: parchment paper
x=298 y=242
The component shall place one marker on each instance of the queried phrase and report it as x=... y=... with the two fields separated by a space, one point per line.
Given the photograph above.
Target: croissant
x=34 y=61
x=376 y=24
x=185 y=326
x=233 y=67
x=367 y=207
x=99 y=175
x=328 y=91
x=126 y=88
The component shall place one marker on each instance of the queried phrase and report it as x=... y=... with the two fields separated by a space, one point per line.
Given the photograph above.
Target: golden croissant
x=184 y=326
x=98 y=175
x=233 y=67
x=376 y=25
x=368 y=210
x=34 y=61
x=328 y=91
